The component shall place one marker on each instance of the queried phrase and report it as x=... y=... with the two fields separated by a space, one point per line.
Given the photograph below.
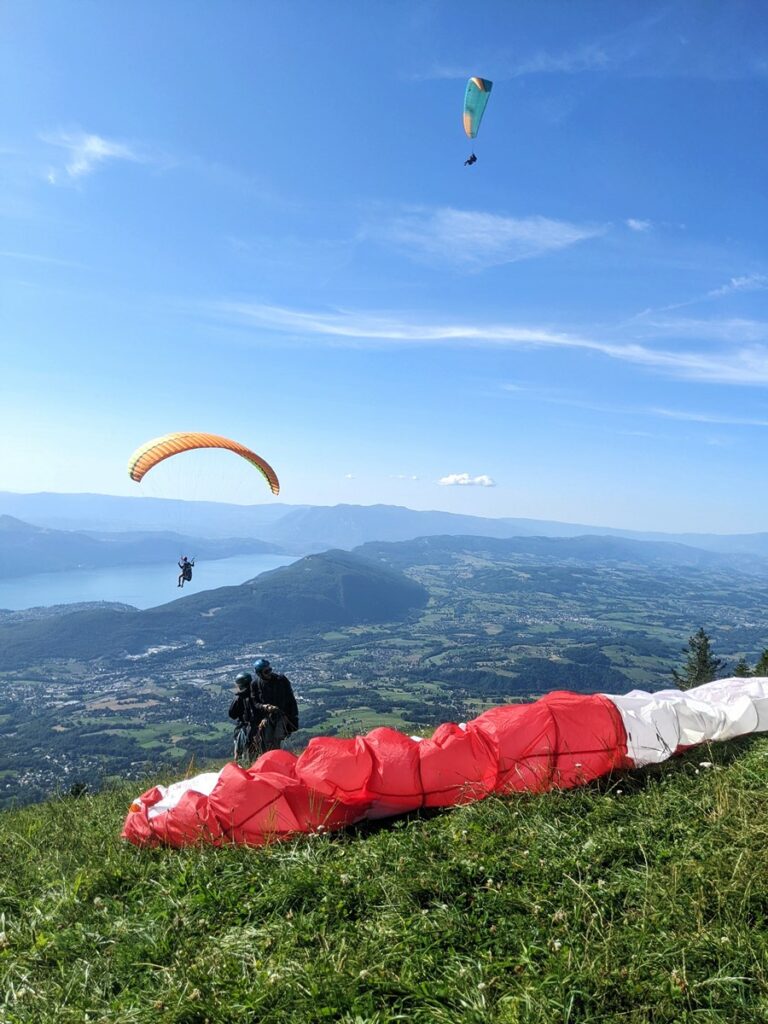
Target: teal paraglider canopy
x=475 y=102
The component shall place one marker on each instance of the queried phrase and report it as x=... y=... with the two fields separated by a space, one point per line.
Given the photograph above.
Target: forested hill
x=586 y=550
x=336 y=588
x=26 y=549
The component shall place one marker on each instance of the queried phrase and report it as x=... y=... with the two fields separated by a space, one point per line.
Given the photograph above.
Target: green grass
x=642 y=899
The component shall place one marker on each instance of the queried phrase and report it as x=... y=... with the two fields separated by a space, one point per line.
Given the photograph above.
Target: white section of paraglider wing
x=651 y=725
x=202 y=783
x=698 y=720
x=657 y=723
x=744 y=703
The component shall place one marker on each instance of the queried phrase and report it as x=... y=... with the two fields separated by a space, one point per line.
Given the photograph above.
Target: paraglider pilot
x=186 y=570
x=472 y=160
x=264 y=709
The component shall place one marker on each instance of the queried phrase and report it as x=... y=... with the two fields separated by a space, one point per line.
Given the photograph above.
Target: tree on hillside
x=761 y=668
x=741 y=668
x=701 y=666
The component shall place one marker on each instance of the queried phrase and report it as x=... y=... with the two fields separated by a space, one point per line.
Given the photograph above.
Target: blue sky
x=254 y=219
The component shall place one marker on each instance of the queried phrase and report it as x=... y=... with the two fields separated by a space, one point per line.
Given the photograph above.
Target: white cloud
x=638 y=225
x=731 y=330
x=745 y=283
x=590 y=57
x=86 y=152
x=707 y=417
x=465 y=480
x=744 y=360
x=467 y=238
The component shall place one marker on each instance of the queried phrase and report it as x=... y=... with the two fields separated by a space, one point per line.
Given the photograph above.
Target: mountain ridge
x=319 y=527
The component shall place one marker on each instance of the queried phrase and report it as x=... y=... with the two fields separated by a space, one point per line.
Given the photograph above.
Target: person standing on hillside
x=265 y=709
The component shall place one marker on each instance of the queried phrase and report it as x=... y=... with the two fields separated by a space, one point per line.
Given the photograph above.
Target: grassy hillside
x=644 y=899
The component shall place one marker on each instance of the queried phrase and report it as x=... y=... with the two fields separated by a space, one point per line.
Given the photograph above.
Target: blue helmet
x=261 y=665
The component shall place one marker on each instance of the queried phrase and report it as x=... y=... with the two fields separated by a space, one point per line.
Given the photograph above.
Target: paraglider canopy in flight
x=475 y=102
x=149 y=454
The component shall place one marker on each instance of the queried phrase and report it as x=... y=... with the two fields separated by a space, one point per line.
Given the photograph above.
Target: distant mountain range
x=26 y=549
x=299 y=529
x=319 y=592
x=330 y=590
x=590 y=550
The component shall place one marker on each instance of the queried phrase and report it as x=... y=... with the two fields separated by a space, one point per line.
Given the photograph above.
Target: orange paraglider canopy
x=149 y=454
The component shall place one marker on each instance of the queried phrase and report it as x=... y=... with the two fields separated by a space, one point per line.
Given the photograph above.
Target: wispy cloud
x=31 y=257
x=753 y=282
x=637 y=225
x=665 y=43
x=744 y=283
x=588 y=57
x=465 y=480
x=85 y=153
x=472 y=239
x=743 y=361
x=733 y=330
x=708 y=417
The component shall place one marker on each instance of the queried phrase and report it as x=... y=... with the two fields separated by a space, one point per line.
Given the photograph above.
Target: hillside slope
x=318 y=592
x=644 y=899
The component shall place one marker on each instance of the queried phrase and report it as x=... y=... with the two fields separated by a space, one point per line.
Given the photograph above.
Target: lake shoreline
x=139 y=586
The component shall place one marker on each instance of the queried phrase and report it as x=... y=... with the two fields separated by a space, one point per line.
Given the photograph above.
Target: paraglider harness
x=186 y=569
x=253 y=739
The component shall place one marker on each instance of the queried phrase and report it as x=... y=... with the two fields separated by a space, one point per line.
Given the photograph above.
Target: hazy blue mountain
x=302 y=528
x=347 y=526
x=107 y=512
x=27 y=549
x=336 y=588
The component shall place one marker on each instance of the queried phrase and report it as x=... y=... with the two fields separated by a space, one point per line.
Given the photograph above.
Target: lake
x=142 y=586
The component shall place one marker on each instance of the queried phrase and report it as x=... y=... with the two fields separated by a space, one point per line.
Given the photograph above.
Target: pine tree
x=761 y=668
x=741 y=668
x=701 y=665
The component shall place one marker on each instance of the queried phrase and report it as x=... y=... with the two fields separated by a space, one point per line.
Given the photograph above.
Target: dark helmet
x=261 y=665
x=243 y=680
